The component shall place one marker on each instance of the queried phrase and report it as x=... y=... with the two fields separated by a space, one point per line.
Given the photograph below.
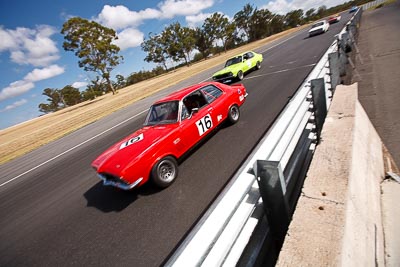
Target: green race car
x=237 y=66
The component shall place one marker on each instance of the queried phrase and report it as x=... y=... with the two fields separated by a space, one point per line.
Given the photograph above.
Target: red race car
x=173 y=125
x=333 y=19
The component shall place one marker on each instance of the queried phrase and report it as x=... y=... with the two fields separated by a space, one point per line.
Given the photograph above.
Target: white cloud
x=120 y=17
x=45 y=73
x=126 y=22
x=129 y=37
x=197 y=20
x=15 y=89
x=284 y=6
x=79 y=84
x=172 y=8
x=15 y=105
x=30 y=46
x=23 y=86
x=7 y=40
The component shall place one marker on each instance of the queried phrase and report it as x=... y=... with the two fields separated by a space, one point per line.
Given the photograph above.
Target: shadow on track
x=110 y=199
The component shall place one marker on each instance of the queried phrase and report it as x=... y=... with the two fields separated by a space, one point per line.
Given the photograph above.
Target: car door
x=196 y=119
x=252 y=60
x=247 y=62
x=216 y=98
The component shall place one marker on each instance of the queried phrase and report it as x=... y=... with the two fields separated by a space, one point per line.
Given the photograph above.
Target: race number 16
x=204 y=124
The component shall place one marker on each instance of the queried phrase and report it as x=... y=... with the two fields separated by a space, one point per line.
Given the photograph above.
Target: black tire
x=240 y=75
x=233 y=114
x=164 y=172
x=258 y=65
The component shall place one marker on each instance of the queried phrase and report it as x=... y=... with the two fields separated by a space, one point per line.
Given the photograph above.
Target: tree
x=203 y=42
x=144 y=75
x=179 y=42
x=230 y=35
x=96 y=88
x=218 y=27
x=188 y=41
x=121 y=82
x=321 y=12
x=59 y=99
x=309 y=14
x=260 y=24
x=156 y=51
x=243 y=19
x=92 y=44
x=55 y=101
x=294 y=18
x=277 y=24
x=209 y=32
x=70 y=95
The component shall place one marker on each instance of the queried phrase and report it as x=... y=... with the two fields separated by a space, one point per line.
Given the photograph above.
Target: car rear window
x=211 y=93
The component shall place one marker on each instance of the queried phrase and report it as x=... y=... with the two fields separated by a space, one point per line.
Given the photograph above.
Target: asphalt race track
x=54 y=211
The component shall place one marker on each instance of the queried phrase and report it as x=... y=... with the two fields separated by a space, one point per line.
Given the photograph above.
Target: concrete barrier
x=338 y=219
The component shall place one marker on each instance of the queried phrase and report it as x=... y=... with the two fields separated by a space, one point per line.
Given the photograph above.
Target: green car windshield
x=233 y=61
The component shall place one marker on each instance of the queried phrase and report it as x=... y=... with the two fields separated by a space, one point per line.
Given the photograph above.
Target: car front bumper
x=316 y=32
x=223 y=77
x=119 y=184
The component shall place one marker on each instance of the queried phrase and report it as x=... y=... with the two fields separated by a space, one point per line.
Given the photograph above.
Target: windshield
x=318 y=24
x=162 y=113
x=233 y=61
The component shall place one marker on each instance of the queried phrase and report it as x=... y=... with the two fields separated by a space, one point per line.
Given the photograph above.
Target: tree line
x=174 y=47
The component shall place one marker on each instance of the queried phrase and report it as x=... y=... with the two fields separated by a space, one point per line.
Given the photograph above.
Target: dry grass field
x=25 y=137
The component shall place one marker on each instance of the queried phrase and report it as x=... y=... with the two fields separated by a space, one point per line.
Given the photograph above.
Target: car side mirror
x=194 y=111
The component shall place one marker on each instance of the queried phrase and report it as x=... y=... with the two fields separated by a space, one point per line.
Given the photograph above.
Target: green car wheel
x=240 y=75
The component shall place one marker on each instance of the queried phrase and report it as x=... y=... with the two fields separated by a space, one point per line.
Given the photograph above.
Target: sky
x=31 y=54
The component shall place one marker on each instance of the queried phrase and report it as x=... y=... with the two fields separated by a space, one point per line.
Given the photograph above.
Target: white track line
x=284 y=41
x=72 y=148
x=280 y=71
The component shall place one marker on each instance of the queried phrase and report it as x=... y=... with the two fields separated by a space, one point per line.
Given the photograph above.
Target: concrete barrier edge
x=338 y=216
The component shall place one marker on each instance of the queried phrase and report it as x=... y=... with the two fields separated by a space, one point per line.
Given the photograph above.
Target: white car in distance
x=318 y=28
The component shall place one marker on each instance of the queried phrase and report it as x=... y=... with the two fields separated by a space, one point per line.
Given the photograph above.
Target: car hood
x=130 y=149
x=232 y=68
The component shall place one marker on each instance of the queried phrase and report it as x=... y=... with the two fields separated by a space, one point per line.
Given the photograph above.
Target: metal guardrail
x=234 y=230
x=372 y=4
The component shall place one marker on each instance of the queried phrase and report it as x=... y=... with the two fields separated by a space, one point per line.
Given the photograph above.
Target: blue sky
x=31 y=54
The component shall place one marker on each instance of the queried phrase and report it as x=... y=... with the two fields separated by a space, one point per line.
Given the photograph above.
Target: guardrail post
x=272 y=190
x=344 y=47
x=296 y=169
x=334 y=66
x=319 y=103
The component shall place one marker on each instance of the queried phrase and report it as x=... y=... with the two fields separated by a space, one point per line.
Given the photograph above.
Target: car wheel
x=258 y=65
x=233 y=114
x=240 y=75
x=165 y=172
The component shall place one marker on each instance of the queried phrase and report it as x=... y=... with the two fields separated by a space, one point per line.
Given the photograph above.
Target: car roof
x=180 y=94
x=320 y=21
x=241 y=54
